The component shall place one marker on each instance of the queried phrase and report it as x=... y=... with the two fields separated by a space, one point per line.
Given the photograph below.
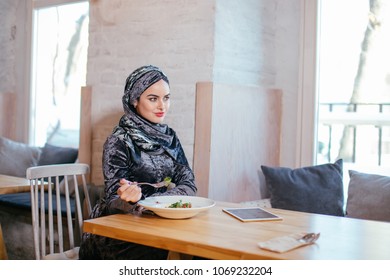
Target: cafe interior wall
x=251 y=42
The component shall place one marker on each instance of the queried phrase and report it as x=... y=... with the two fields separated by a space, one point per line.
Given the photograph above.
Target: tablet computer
x=251 y=214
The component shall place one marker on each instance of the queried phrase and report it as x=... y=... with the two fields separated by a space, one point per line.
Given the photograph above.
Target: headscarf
x=138 y=81
x=137 y=132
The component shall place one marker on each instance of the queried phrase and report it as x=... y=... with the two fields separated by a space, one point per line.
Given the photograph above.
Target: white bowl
x=159 y=205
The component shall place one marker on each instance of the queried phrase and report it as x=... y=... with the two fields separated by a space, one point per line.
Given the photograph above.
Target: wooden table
x=11 y=184
x=216 y=235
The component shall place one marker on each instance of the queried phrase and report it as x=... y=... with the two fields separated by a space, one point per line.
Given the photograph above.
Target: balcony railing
x=363 y=127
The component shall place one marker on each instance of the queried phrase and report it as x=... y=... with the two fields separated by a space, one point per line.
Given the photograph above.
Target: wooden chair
x=3 y=250
x=53 y=211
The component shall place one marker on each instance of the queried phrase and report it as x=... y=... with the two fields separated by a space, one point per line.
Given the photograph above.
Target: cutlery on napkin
x=289 y=242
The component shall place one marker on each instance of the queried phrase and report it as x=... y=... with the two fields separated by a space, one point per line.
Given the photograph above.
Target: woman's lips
x=160 y=115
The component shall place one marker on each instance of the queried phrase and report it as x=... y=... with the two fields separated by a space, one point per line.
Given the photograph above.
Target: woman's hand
x=129 y=192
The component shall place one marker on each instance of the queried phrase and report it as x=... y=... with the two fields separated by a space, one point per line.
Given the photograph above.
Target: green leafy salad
x=180 y=204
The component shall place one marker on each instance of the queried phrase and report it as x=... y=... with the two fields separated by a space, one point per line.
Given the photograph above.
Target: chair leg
x=3 y=249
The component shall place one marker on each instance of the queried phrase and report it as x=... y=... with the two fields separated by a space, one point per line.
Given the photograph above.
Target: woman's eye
x=166 y=98
x=153 y=99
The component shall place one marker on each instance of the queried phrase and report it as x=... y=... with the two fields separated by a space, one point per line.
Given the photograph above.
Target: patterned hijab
x=138 y=81
x=136 y=131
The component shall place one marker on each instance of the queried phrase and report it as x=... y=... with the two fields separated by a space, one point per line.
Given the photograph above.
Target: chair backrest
x=54 y=209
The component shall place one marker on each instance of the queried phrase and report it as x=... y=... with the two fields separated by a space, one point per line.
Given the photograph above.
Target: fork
x=309 y=238
x=157 y=185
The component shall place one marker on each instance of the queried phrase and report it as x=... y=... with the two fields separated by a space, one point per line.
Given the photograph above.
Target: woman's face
x=153 y=103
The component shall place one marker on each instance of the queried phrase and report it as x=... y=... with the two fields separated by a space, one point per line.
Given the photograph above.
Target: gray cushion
x=313 y=189
x=368 y=196
x=57 y=155
x=16 y=157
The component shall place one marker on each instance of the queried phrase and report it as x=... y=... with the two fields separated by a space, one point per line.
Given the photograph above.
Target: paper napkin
x=284 y=243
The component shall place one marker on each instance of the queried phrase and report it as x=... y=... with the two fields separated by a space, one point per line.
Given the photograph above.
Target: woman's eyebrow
x=152 y=95
x=155 y=95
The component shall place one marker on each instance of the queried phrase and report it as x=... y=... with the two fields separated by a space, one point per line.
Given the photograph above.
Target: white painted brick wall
x=7 y=45
x=174 y=35
x=246 y=41
x=287 y=44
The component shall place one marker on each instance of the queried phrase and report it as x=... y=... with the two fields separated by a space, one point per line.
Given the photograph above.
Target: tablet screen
x=251 y=214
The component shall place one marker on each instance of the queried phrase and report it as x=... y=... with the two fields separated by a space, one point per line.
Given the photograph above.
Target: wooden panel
x=237 y=130
x=8 y=105
x=203 y=113
x=85 y=145
x=93 y=135
x=102 y=128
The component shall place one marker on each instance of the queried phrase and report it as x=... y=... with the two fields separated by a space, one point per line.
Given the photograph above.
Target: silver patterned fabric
x=139 y=151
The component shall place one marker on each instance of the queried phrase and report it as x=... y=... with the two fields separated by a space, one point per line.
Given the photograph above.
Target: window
x=353 y=92
x=350 y=119
x=59 y=58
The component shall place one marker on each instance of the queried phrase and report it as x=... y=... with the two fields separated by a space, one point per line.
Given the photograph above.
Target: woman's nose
x=160 y=104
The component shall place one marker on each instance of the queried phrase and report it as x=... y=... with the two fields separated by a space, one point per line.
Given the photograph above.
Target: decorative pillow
x=71 y=186
x=57 y=155
x=16 y=157
x=368 y=196
x=313 y=189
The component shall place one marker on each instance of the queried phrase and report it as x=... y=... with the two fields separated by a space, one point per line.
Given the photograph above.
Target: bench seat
x=23 y=201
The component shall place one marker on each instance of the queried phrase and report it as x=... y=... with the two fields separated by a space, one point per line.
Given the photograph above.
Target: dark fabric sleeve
x=118 y=163
x=115 y=166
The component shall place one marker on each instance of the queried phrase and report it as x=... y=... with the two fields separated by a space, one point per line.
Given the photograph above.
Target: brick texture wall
x=174 y=35
x=226 y=41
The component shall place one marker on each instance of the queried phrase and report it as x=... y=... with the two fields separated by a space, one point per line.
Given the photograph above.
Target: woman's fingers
x=129 y=192
x=123 y=182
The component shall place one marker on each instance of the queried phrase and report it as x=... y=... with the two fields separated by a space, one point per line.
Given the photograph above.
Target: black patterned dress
x=139 y=151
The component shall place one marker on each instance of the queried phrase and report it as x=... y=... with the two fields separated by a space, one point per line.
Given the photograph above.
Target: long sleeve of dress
x=115 y=167
x=119 y=162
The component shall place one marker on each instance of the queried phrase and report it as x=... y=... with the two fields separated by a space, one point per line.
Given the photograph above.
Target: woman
x=140 y=149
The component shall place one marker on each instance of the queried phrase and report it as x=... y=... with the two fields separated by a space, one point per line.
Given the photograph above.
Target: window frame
x=49 y=3
x=307 y=92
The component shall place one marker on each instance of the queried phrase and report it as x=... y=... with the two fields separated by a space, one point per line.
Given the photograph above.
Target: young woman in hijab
x=140 y=149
